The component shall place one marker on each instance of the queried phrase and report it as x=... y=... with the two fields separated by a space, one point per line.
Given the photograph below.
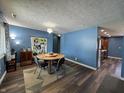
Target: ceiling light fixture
x=49 y=30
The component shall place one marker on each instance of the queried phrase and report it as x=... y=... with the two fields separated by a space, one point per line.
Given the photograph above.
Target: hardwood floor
x=82 y=80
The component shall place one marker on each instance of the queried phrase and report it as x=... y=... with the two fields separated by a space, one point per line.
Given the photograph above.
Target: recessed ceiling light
x=17 y=42
x=109 y=36
x=49 y=30
x=102 y=30
x=105 y=32
x=59 y=35
x=12 y=36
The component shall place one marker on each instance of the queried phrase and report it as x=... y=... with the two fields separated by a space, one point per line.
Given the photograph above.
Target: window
x=2 y=41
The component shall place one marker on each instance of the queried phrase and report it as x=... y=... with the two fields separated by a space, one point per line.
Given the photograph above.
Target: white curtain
x=2 y=40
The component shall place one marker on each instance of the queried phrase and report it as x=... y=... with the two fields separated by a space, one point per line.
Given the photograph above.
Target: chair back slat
x=60 y=62
x=36 y=61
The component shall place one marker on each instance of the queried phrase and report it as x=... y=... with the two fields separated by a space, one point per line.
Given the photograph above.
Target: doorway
x=56 y=44
x=110 y=52
x=103 y=49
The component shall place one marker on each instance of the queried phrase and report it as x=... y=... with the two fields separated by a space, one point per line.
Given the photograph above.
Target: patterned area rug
x=34 y=84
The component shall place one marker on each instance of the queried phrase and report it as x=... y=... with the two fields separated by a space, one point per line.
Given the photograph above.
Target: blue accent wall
x=115 y=46
x=82 y=45
x=122 y=70
x=2 y=67
x=23 y=35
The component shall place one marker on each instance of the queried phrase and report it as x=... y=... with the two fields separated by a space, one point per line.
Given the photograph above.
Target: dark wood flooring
x=82 y=80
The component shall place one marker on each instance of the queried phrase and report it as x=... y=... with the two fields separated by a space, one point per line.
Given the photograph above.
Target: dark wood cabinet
x=25 y=58
x=104 y=48
x=104 y=43
x=11 y=65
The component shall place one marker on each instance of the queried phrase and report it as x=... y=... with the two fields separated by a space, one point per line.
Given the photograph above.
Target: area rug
x=34 y=84
x=111 y=85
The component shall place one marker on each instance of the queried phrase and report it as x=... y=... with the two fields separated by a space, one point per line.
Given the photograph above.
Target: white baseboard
x=3 y=76
x=122 y=78
x=115 y=57
x=76 y=62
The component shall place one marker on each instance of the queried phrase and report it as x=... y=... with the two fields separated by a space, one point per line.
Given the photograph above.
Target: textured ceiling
x=65 y=15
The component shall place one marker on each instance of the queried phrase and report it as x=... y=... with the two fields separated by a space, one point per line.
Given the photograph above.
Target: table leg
x=49 y=67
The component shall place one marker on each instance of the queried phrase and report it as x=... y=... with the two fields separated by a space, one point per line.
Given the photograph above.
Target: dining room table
x=50 y=57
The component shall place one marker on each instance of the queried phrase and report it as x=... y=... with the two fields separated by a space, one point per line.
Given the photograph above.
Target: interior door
x=56 y=44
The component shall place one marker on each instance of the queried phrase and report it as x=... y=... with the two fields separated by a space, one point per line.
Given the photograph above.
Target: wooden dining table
x=50 y=57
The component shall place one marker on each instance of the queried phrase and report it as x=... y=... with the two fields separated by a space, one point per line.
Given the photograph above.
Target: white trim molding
x=115 y=57
x=76 y=62
x=118 y=77
x=122 y=78
x=3 y=76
